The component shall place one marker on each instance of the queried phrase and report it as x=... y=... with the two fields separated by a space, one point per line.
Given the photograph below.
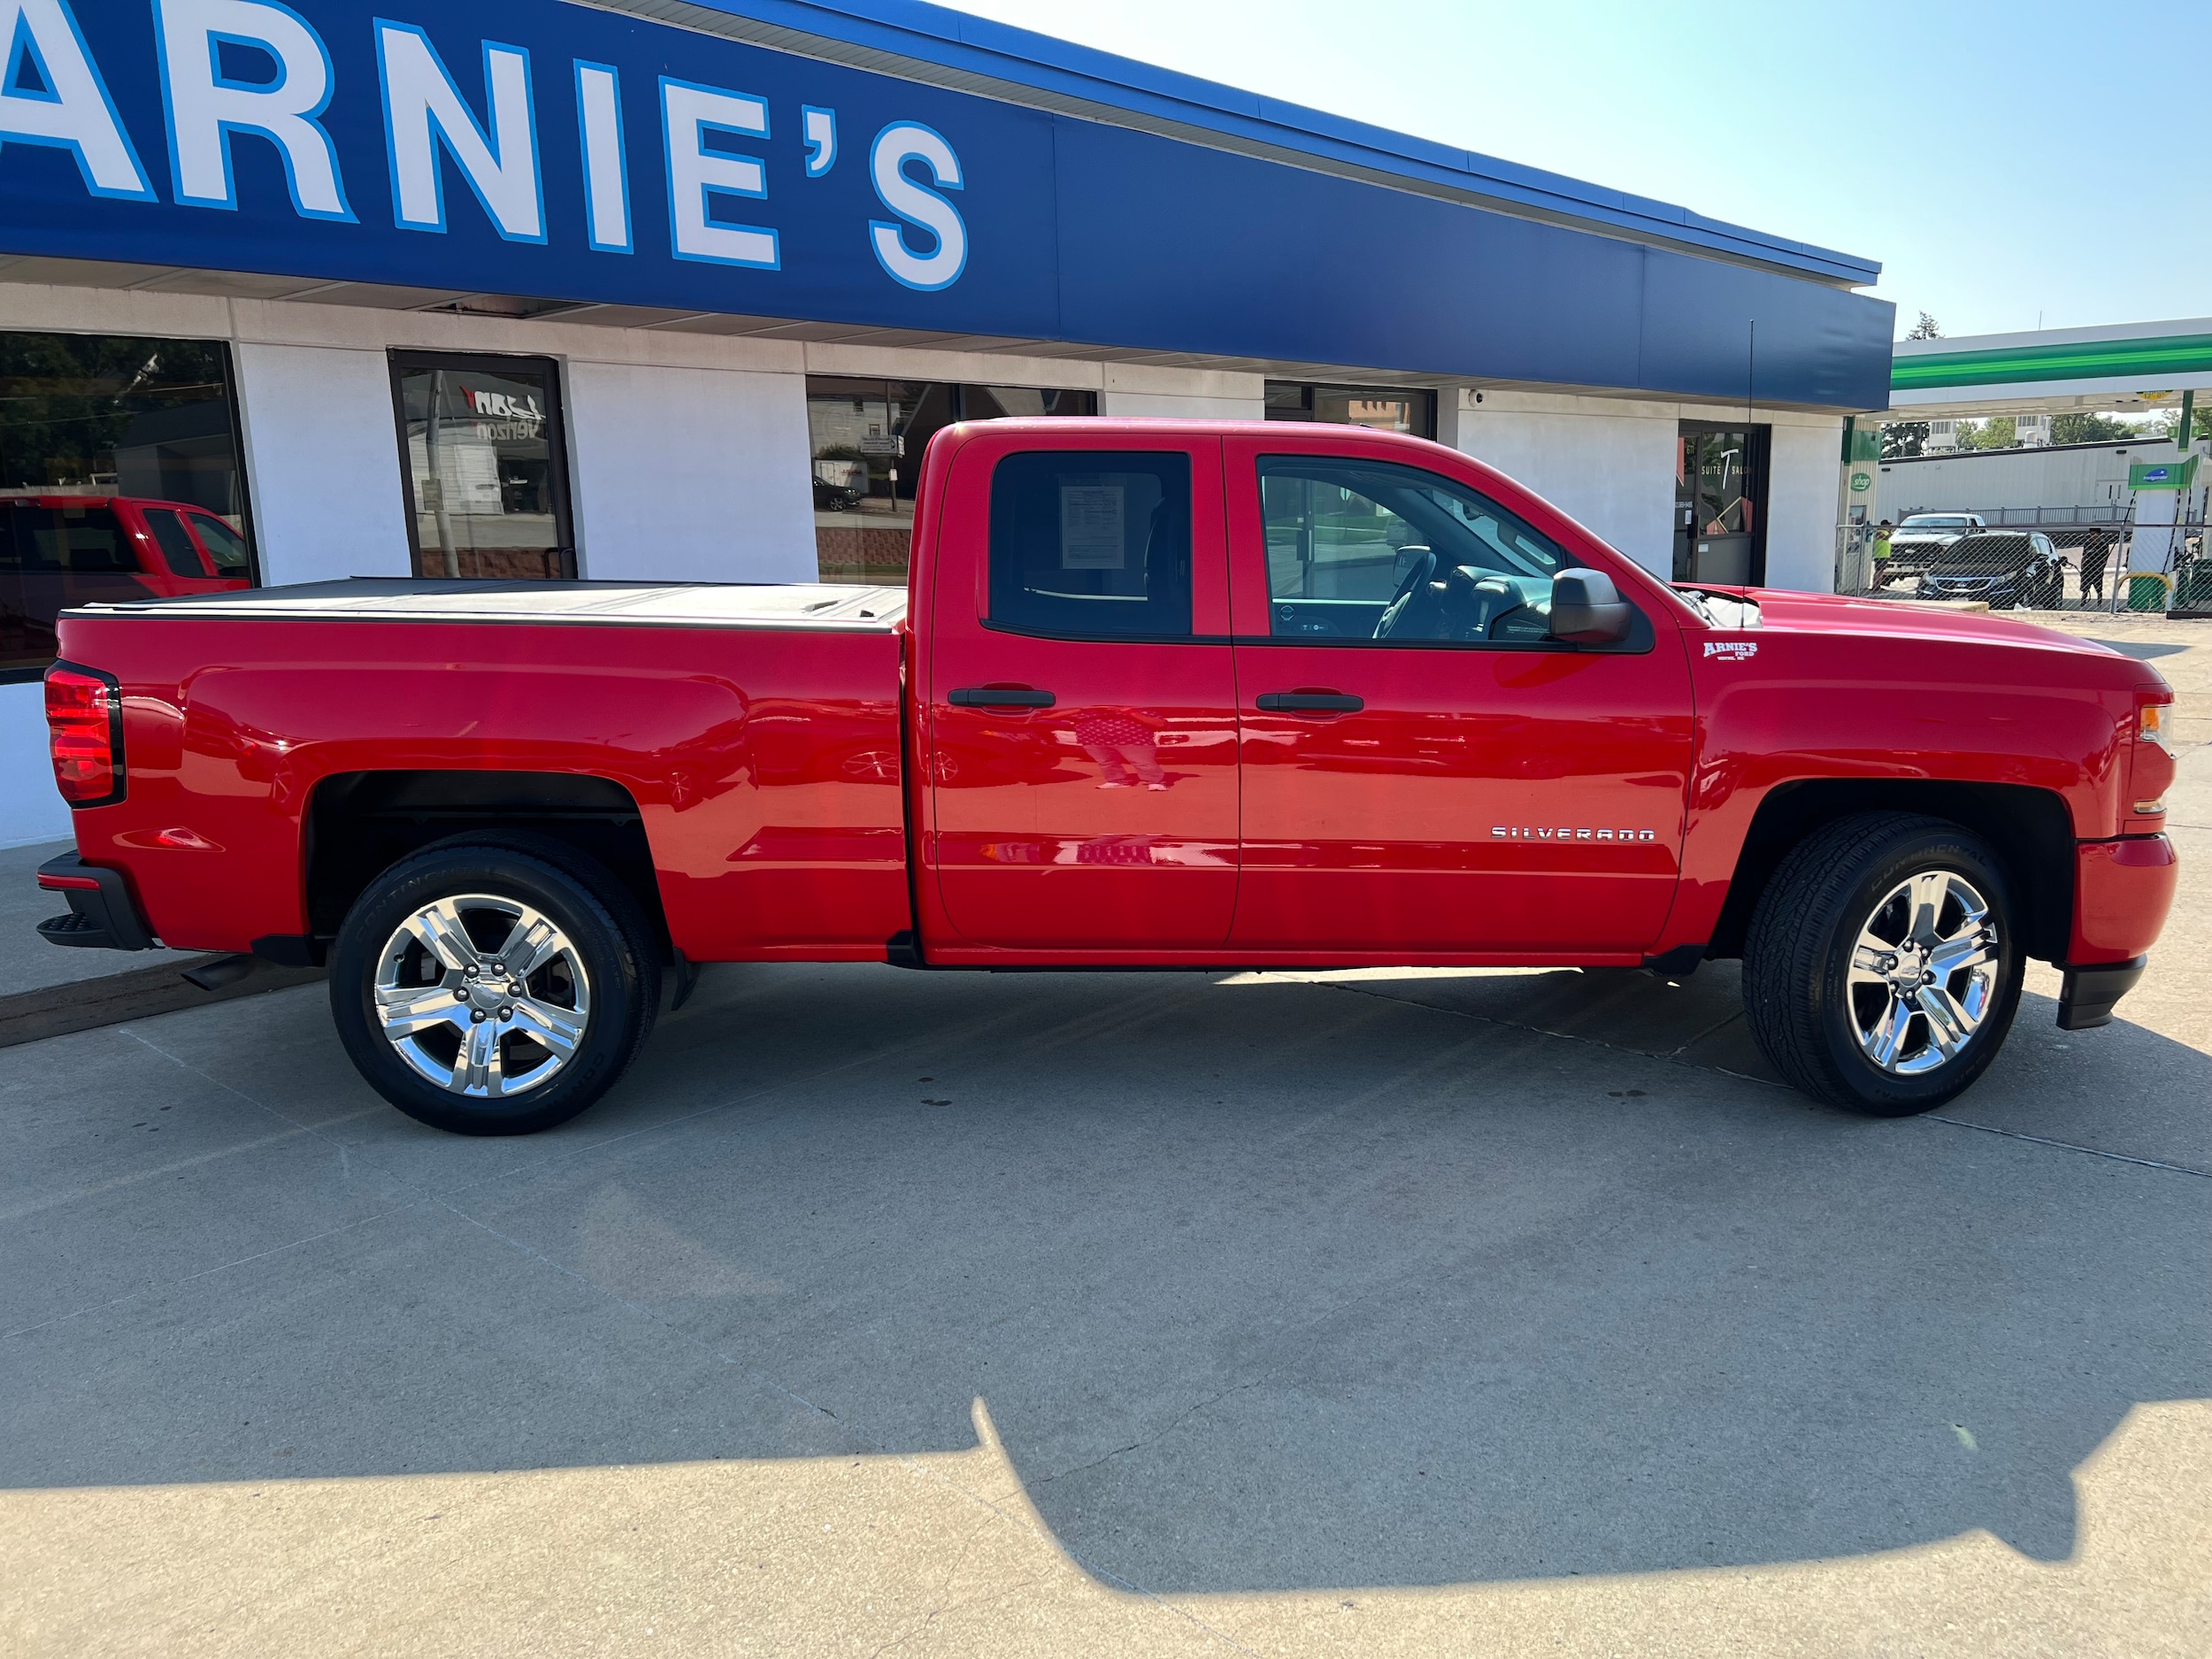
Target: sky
x=2011 y=166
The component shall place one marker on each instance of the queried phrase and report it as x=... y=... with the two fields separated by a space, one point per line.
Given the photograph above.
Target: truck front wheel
x=493 y=988
x=1883 y=964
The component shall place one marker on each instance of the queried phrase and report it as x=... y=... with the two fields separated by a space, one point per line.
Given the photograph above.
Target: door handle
x=1309 y=703
x=1000 y=697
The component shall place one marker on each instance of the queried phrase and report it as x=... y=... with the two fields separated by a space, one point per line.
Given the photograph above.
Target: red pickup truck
x=1168 y=694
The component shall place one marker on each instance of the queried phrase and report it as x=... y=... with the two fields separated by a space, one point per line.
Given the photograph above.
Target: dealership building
x=658 y=288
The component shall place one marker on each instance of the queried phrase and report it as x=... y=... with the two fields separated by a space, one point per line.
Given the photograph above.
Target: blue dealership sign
x=519 y=147
x=559 y=151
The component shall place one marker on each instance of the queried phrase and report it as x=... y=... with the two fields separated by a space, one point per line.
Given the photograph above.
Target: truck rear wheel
x=1883 y=964
x=493 y=987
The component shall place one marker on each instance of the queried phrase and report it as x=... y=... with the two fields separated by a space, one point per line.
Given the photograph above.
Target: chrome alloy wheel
x=1923 y=973
x=482 y=995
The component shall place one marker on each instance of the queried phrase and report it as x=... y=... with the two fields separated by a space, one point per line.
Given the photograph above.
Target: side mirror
x=1587 y=610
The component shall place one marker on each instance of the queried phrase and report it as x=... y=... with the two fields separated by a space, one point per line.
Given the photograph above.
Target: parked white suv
x=1915 y=543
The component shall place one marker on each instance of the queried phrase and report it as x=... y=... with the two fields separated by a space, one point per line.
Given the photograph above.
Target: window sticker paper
x=1092 y=517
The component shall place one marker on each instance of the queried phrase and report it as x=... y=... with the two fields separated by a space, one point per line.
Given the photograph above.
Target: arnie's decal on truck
x=1732 y=650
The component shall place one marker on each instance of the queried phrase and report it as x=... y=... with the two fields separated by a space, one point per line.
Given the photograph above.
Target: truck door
x=1080 y=697
x=1425 y=771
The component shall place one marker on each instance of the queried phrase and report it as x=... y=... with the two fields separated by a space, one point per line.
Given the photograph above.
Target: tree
x=1926 y=328
x=67 y=400
x=1997 y=433
x=2087 y=426
x=1902 y=439
x=2200 y=426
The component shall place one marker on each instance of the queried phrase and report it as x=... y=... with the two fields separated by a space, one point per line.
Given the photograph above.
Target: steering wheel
x=1401 y=605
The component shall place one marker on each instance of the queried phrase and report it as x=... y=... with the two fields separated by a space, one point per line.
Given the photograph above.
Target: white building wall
x=31 y=808
x=1804 y=461
x=1609 y=464
x=322 y=462
x=689 y=474
x=1182 y=393
x=1993 y=480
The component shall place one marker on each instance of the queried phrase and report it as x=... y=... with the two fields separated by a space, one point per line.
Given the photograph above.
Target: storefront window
x=1385 y=409
x=118 y=478
x=487 y=467
x=867 y=437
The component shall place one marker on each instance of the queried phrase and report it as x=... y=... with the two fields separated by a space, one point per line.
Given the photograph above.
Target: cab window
x=83 y=541
x=225 y=548
x=50 y=558
x=1376 y=551
x=177 y=552
x=1092 y=544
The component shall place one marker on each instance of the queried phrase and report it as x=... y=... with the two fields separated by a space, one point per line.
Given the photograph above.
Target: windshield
x=1936 y=522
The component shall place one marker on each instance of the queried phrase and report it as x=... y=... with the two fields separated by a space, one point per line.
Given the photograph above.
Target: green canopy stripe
x=2098 y=359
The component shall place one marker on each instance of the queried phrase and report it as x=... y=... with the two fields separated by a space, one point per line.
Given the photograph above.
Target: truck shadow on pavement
x=1268 y=1284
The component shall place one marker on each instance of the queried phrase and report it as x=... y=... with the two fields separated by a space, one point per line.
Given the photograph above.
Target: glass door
x=1720 y=485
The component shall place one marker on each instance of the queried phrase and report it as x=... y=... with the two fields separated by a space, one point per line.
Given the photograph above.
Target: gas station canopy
x=2128 y=365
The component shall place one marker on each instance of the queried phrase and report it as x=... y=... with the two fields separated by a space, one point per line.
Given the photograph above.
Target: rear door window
x=177 y=552
x=1092 y=544
x=227 y=549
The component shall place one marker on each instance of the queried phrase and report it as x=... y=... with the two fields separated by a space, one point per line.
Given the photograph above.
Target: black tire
x=1806 y=1013
x=608 y=963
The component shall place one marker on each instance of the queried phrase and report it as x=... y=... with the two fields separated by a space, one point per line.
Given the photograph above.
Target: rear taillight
x=84 y=719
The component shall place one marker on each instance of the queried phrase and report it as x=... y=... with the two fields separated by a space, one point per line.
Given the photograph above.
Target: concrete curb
x=54 y=1010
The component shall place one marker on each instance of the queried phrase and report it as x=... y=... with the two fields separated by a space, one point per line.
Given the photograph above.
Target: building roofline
x=919 y=41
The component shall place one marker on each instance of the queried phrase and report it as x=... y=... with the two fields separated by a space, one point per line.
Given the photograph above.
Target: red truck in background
x=63 y=546
x=1170 y=695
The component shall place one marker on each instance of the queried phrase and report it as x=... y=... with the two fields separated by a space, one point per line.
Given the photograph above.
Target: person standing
x=2094 y=553
x=1881 y=554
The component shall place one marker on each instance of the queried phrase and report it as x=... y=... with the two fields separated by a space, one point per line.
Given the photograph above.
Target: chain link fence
x=2088 y=558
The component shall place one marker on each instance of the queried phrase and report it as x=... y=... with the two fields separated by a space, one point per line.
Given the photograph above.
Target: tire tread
x=1782 y=971
x=548 y=863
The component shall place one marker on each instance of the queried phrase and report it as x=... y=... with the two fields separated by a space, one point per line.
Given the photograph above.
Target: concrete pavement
x=28 y=963
x=1377 y=1313
x=46 y=990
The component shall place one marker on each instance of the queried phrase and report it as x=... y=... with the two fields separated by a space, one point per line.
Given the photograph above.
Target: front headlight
x=2151 y=724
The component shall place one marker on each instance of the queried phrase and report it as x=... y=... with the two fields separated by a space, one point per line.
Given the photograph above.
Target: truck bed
x=750 y=734
x=813 y=605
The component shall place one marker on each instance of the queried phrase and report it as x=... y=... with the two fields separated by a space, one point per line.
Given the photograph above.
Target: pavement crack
x=209 y=1272
x=1149 y=1439
x=1673 y=1057
x=2071 y=1146
x=939 y=1605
